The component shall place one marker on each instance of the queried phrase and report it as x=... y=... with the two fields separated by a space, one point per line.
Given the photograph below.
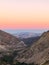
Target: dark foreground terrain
x=8 y=60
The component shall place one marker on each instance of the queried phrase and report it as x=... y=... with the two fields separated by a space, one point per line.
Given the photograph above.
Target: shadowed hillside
x=30 y=41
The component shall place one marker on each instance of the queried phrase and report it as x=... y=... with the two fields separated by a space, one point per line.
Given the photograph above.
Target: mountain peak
x=45 y=34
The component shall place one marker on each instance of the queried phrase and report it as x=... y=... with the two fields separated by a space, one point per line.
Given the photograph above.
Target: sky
x=24 y=14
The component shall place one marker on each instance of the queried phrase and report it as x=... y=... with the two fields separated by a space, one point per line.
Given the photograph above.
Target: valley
x=24 y=51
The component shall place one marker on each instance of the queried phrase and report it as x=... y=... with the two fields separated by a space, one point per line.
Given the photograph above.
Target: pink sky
x=24 y=14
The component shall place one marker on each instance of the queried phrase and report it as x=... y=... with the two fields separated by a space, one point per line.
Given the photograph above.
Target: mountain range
x=13 y=50
x=26 y=35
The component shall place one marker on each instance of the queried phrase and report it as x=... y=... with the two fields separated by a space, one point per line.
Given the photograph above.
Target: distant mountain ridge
x=26 y=35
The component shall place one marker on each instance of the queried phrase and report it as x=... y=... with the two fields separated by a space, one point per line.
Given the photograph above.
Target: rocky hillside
x=38 y=52
x=9 y=42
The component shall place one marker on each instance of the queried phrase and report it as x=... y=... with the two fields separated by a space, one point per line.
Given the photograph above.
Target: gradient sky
x=24 y=14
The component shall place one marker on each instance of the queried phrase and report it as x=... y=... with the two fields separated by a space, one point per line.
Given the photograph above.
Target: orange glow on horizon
x=16 y=14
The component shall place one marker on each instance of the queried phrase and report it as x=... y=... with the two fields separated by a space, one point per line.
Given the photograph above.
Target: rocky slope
x=9 y=43
x=38 y=52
